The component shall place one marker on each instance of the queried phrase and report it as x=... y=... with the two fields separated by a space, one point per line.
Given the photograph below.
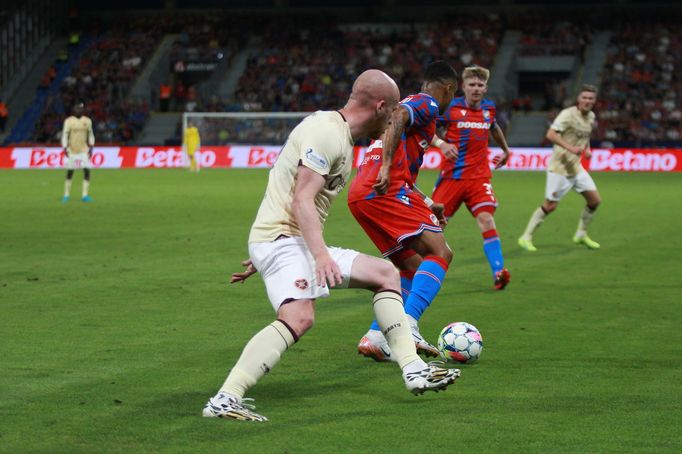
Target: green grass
x=117 y=323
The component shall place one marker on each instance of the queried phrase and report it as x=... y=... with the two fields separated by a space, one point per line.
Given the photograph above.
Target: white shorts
x=558 y=185
x=288 y=270
x=78 y=161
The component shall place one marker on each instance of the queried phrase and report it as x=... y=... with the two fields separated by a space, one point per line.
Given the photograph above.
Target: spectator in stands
x=4 y=114
x=165 y=94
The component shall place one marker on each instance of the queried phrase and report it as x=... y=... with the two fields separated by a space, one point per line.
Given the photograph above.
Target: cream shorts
x=77 y=161
x=558 y=185
x=288 y=270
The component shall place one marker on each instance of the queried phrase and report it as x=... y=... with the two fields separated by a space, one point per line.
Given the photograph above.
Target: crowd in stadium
x=641 y=92
x=304 y=66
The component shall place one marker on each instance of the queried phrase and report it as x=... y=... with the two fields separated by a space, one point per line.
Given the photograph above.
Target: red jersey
x=408 y=157
x=468 y=129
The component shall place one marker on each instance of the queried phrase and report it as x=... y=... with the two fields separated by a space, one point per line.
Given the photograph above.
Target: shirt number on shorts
x=489 y=190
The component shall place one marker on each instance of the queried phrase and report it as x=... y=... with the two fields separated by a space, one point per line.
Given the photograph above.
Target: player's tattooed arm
x=391 y=138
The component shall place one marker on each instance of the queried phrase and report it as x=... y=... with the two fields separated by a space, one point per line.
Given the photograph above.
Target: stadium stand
x=640 y=102
x=101 y=75
x=297 y=64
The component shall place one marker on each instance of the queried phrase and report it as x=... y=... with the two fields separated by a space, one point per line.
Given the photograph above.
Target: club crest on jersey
x=486 y=115
x=315 y=159
x=301 y=284
x=463 y=112
x=405 y=199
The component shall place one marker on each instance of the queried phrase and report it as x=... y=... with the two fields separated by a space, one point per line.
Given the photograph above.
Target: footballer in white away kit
x=77 y=141
x=287 y=247
x=570 y=134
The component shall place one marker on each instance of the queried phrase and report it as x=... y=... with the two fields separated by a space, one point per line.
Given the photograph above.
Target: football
x=460 y=342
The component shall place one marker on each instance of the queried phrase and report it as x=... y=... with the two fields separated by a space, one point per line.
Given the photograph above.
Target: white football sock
x=390 y=315
x=585 y=220
x=259 y=356
x=536 y=219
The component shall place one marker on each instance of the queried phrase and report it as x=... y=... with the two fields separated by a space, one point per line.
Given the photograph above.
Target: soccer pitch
x=118 y=323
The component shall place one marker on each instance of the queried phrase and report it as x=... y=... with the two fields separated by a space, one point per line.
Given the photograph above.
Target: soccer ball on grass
x=460 y=342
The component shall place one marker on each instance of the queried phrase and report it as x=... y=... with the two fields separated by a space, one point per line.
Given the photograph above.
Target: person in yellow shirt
x=77 y=141
x=191 y=143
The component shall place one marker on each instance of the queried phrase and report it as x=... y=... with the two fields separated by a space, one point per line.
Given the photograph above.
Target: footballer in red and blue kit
x=467 y=178
x=399 y=214
x=385 y=201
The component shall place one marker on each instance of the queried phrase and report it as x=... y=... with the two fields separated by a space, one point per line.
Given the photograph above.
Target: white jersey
x=323 y=143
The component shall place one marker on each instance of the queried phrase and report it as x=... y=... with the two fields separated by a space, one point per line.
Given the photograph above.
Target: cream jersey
x=323 y=143
x=575 y=128
x=77 y=135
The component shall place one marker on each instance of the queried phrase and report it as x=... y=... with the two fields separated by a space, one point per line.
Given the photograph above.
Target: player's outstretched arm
x=244 y=275
x=308 y=184
x=391 y=138
x=501 y=141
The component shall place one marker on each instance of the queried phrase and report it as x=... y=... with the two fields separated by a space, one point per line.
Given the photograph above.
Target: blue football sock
x=493 y=250
x=425 y=285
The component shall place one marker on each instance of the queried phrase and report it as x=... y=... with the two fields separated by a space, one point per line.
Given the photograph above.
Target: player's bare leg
x=492 y=248
x=592 y=200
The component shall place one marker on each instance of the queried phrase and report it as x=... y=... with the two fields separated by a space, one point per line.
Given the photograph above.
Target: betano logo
x=629 y=160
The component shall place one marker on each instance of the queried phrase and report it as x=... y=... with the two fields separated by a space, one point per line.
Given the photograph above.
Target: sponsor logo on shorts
x=301 y=284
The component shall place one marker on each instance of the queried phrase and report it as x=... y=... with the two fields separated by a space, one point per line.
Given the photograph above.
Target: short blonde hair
x=476 y=71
